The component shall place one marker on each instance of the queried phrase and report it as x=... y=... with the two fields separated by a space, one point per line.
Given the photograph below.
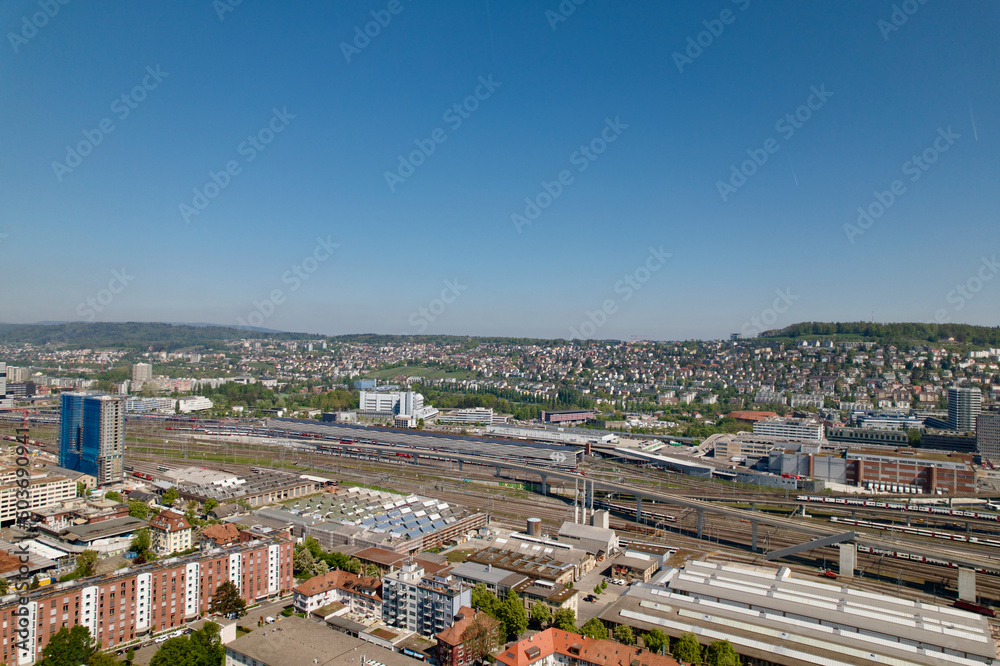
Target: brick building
x=128 y=606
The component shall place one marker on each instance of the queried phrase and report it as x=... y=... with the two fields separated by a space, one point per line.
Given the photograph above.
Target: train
x=666 y=518
x=918 y=531
x=974 y=608
x=902 y=555
x=143 y=475
x=898 y=506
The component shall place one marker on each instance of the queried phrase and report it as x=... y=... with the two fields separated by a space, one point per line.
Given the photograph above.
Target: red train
x=143 y=475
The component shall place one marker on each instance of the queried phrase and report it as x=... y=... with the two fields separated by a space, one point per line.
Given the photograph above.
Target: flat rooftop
x=769 y=614
x=295 y=641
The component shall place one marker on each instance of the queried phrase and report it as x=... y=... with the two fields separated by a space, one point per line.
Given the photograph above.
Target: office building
x=43 y=491
x=854 y=437
x=789 y=428
x=142 y=372
x=127 y=606
x=421 y=603
x=964 y=405
x=195 y=403
x=5 y=400
x=402 y=404
x=92 y=435
x=988 y=436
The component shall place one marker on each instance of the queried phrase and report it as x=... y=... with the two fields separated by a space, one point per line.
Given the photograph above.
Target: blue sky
x=443 y=238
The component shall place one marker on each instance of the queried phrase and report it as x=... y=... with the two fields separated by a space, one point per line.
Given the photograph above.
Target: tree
x=722 y=653
x=210 y=504
x=372 y=570
x=541 y=614
x=227 y=601
x=112 y=495
x=170 y=496
x=305 y=564
x=480 y=638
x=655 y=641
x=321 y=568
x=512 y=616
x=687 y=648
x=623 y=634
x=485 y=600
x=353 y=565
x=4 y=586
x=81 y=490
x=71 y=646
x=86 y=563
x=140 y=542
x=564 y=619
x=594 y=628
x=129 y=656
x=138 y=509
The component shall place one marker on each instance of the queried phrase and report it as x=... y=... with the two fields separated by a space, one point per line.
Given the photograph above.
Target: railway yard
x=156 y=445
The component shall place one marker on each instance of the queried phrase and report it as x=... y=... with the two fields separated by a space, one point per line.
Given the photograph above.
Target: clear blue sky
x=657 y=184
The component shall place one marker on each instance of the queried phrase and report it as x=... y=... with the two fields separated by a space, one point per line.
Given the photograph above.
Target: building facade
x=43 y=490
x=988 y=436
x=142 y=372
x=790 y=428
x=170 y=532
x=128 y=607
x=92 y=435
x=5 y=401
x=361 y=594
x=421 y=603
x=964 y=405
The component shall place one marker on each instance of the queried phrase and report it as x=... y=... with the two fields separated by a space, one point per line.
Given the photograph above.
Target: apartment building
x=126 y=607
x=426 y=604
x=964 y=405
x=361 y=594
x=170 y=532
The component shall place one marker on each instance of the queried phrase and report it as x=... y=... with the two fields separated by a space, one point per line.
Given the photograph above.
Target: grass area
x=241 y=631
x=457 y=556
x=420 y=371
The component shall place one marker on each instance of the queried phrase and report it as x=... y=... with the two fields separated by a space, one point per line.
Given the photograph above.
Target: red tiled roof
x=751 y=416
x=453 y=634
x=170 y=521
x=575 y=646
x=343 y=580
x=221 y=533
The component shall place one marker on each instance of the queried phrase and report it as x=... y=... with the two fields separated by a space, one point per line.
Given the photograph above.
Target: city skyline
x=668 y=173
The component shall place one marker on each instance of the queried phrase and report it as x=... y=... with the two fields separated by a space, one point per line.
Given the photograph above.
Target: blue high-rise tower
x=92 y=435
